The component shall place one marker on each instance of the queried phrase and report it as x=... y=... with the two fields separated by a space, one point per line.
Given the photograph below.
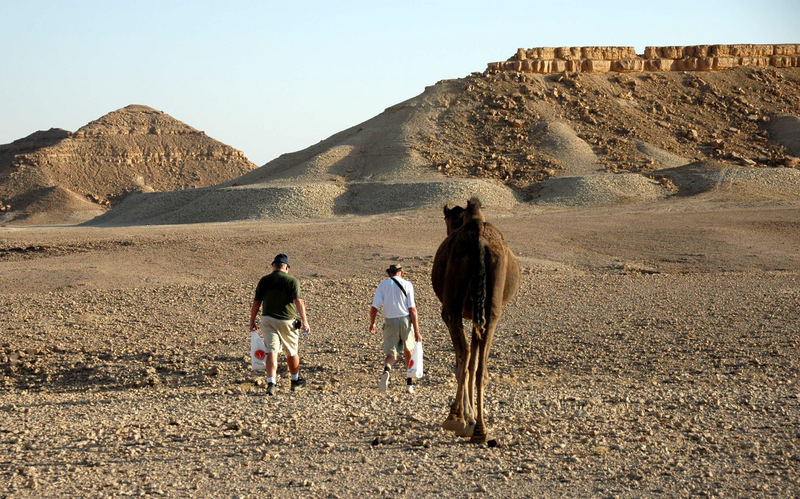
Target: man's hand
x=418 y=337
x=253 y=314
x=373 y=314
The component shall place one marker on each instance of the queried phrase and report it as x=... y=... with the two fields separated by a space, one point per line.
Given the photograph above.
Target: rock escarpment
x=58 y=176
x=625 y=60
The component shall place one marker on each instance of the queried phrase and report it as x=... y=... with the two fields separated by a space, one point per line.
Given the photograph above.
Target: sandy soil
x=651 y=350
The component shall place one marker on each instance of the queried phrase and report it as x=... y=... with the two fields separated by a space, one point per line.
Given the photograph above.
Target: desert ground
x=652 y=349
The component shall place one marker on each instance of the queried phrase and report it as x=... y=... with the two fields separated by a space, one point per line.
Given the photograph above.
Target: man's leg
x=272 y=371
x=391 y=342
x=291 y=344
x=409 y=381
x=293 y=363
x=408 y=348
x=389 y=361
x=272 y=343
x=272 y=364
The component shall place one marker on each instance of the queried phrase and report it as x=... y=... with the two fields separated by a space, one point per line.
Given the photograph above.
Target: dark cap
x=393 y=269
x=280 y=258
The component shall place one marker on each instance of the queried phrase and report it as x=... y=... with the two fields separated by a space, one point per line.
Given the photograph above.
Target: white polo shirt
x=395 y=304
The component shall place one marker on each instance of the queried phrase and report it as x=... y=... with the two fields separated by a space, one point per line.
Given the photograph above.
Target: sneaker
x=270 y=388
x=298 y=384
x=383 y=383
x=410 y=388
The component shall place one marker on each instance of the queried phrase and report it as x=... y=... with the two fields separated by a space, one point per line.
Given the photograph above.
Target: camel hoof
x=479 y=438
x=454 y=425
x=468 y=431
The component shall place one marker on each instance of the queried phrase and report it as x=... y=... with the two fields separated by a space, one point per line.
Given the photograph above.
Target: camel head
x=453 y=218
x=457 y=216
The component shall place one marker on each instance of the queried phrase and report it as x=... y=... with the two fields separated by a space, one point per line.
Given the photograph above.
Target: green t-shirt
x=277 y=292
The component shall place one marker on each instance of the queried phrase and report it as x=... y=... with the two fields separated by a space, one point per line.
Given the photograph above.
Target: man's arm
x=412 y=311
x=253 y=313
x=300 y=305
x=373 y=313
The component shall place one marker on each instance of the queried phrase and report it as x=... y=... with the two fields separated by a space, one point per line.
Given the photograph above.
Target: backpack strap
x=399 y=286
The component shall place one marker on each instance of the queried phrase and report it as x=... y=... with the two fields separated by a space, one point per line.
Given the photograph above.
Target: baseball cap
x=280 y=258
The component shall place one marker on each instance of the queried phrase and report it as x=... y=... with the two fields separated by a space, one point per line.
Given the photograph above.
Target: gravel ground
x=648 y=352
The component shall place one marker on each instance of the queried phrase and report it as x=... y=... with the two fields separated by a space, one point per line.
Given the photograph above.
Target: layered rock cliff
x=672 y=58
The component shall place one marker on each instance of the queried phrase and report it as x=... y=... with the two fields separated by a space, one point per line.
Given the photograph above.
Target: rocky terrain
x=57 y=176
x=651 y=350
x=531 y=127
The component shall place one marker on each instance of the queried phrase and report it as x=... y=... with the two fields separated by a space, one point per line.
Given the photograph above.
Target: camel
x=474 y=275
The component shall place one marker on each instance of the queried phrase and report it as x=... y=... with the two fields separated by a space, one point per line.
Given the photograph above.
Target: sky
x=269 y=78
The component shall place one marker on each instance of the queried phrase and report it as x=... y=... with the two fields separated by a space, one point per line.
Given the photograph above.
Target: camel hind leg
x=455 y=420
x=482 y=377
x=469 y=397
x=496 y=297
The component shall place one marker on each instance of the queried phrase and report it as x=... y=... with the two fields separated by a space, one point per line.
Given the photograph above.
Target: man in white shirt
x=396 y=296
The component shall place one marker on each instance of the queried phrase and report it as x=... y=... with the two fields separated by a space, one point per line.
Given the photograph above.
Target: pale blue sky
x=274 y=77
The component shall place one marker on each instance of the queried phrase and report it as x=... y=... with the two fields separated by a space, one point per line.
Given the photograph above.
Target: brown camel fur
x=474 y=275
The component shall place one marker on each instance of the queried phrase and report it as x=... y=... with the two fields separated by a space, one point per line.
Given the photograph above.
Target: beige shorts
x=279 y=333
x=398 y=335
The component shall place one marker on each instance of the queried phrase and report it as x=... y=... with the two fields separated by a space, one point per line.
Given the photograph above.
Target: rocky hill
x=57 y=176
x=524 y=128
x=515 y=137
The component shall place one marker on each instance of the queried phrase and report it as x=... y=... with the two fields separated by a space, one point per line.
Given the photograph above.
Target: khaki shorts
x=398 y=335
x=279 y=333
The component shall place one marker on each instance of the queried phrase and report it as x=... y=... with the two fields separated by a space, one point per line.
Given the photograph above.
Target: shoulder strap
x=399 y=286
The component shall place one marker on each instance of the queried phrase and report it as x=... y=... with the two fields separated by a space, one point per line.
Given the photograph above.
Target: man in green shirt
x=278 y=294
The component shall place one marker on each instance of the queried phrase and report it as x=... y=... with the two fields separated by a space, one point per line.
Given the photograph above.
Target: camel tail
x=479 y=286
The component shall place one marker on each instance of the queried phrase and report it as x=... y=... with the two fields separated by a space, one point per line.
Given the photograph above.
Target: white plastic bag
x=258 y=352
x=415 y=364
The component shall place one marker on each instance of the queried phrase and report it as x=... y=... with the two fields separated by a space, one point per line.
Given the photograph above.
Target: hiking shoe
x=383 y=383
x=410 y=388
x=270 y=388
x=298 y=384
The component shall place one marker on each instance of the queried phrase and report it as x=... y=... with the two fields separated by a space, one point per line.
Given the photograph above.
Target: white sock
x=271 y=380
x=296 y=376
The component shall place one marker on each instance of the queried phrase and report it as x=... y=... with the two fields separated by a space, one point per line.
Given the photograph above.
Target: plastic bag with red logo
x=415 y=364
x=258 y=352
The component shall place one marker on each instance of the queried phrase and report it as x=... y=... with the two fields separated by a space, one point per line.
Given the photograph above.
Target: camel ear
x=446 y=210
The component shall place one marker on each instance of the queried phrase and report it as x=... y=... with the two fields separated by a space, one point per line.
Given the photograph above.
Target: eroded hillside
x=516 y=127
